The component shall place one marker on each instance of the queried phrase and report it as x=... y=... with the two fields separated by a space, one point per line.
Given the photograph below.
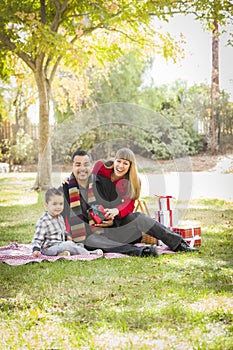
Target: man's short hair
x=82 y=153
x=52 y=192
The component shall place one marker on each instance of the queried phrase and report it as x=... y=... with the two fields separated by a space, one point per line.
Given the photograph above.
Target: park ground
x=197 y=163
x=202 y=162
x=178 y=301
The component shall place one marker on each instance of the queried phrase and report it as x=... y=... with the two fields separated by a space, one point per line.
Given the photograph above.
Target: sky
x=195 y=68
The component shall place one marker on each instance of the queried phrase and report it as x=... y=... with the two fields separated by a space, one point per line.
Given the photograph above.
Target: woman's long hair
x=134 y=187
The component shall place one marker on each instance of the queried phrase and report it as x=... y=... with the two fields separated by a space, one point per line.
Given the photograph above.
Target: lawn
x=178 y=301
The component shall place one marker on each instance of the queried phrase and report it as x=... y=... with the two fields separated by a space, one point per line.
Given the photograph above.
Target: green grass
x=179 y=301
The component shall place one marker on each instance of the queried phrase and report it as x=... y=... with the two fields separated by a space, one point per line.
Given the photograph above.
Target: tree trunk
x=43 y=180
x=214 y=84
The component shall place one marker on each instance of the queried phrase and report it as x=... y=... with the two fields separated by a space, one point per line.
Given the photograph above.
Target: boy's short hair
x=52 y=192
x=82 y=153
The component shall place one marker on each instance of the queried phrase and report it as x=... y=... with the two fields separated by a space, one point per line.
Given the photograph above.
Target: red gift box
x=192 y=235
x=168 y=218
x=166 y=202
x=97 y=213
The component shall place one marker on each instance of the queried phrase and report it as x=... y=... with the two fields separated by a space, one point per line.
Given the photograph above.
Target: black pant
x=130 y=228
x=95 y=241
x=128 y=231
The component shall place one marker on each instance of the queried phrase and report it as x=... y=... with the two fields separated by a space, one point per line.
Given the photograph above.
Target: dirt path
x=202 y=162
x=187 y=179
x=199 y=163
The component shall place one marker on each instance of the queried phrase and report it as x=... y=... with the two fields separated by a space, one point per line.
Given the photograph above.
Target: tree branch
x=6 y=41
x=54 y=69
x=60 y=9
x=43 y=11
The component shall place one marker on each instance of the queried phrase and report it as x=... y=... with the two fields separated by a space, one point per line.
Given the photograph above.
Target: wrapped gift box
x=97 y=213
x=168 y=218
x=192 y=235
x=166 y=203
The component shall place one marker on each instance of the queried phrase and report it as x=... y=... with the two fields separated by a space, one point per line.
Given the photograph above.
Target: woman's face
x=121 y=167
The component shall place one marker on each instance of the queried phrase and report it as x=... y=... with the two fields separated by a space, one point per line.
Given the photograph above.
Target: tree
x=42 y=33
x=215 y=89
x=212 y=14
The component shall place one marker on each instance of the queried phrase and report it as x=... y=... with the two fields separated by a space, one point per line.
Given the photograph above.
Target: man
x=80 y=193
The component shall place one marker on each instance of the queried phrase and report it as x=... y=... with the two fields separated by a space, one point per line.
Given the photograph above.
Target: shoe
x=184 y=247
x=149 y=251
x=98 y=252
x=65 y=253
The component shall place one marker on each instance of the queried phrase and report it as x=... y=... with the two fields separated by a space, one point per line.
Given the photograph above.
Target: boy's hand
x=69 y=238
x=36 y=254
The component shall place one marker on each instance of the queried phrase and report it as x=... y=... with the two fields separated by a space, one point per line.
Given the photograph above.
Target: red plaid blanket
x=19 y=254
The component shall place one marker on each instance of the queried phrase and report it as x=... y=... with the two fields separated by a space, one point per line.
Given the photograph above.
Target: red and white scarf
x=77 y=220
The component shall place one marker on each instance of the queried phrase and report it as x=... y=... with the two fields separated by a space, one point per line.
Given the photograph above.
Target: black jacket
x=105 y=194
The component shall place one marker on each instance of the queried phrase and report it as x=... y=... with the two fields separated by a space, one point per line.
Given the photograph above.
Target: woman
x=124 y=175
x=118 y=197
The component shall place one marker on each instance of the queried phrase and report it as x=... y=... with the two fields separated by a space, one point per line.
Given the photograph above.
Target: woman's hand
x=65 y=181
x=111 y=213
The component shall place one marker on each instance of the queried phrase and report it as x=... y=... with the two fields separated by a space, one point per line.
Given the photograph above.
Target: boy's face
x=55 y=205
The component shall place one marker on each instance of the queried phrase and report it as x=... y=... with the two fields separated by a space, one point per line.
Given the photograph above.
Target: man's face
x=82 y=168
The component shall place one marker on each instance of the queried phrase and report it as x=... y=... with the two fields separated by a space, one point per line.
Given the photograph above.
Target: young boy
x=50 y=235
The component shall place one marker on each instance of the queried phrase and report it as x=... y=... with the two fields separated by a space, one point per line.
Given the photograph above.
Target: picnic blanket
x=16 y=254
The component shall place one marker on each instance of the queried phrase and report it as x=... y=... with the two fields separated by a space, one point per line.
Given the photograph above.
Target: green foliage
x=169 y=131
x=207 y=11
x=82 y=34
x=86 y=35
x=122 y=83
x=6 y=66
x=23 y=151
x=75 y=32
x=4 y=151
x=155 y=135
x=6 y=97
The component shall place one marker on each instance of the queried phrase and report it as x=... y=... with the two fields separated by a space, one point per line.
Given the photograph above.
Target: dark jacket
x=105 y=194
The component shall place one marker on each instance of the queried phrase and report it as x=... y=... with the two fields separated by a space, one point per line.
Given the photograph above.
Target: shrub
x=24 y=150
